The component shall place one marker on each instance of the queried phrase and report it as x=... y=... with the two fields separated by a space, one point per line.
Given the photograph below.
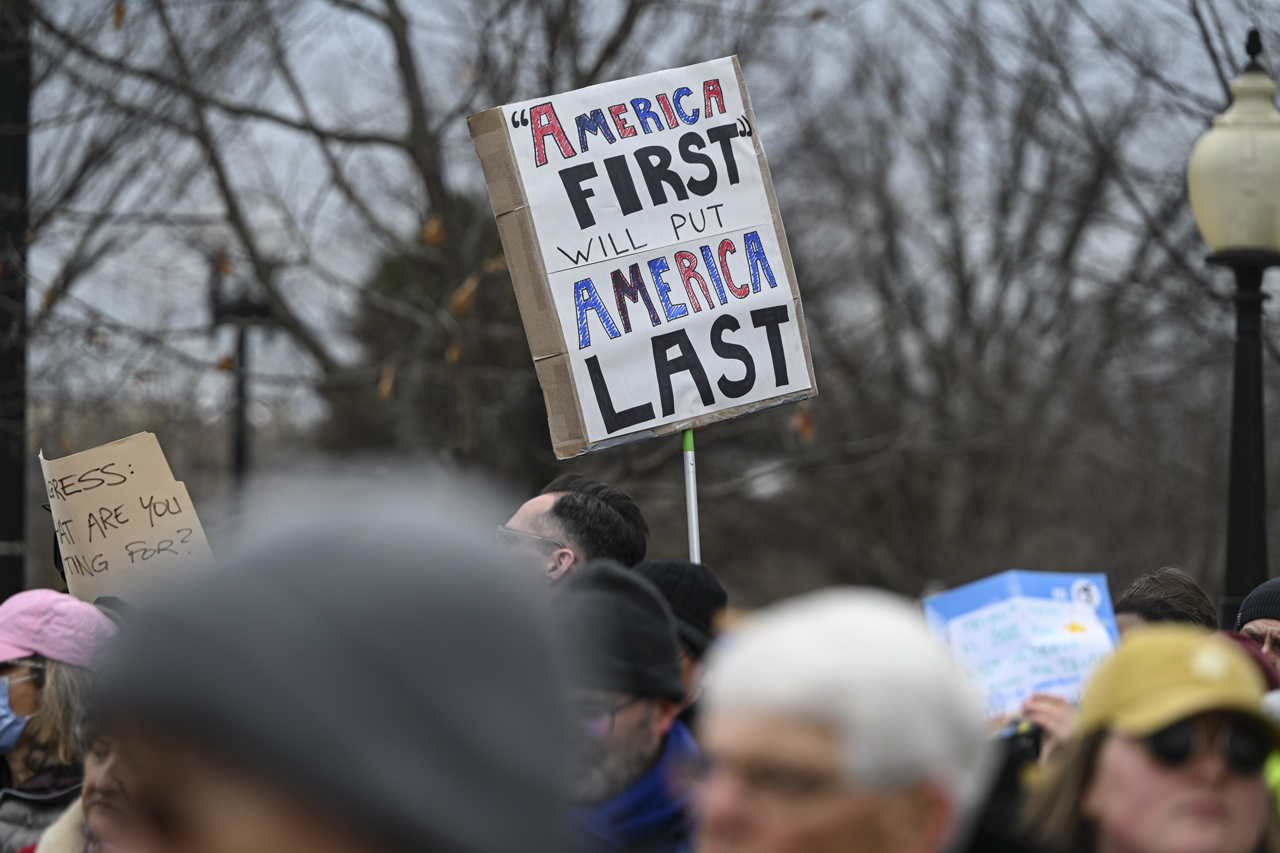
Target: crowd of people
x=377 y=681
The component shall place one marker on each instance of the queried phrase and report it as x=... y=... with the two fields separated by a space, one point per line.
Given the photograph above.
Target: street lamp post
x=1233 y=179
x=241 y=310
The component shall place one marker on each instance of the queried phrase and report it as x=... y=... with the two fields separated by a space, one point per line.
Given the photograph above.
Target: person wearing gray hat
x=634 y=759
x=359 y=682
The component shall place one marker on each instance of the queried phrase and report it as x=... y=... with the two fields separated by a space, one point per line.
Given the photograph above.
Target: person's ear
x=563 y=561
x=664 y=715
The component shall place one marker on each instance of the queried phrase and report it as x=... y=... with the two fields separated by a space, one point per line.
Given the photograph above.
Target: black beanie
x=1262 y=603
x=695 y=596
x=621 y=633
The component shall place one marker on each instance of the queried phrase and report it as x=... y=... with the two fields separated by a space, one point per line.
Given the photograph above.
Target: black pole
x=1247 y=563
x=243 y=310
x=240 y=439
x=15 y=116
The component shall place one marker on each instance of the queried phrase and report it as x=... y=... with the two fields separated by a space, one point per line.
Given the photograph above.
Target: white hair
x=863 y=662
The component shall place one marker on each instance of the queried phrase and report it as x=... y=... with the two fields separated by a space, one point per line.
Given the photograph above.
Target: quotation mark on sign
x=520 y=119
x=744 y=127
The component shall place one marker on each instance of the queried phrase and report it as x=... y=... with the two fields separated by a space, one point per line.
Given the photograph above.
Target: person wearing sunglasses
x=634 y=762
x=1167 y=756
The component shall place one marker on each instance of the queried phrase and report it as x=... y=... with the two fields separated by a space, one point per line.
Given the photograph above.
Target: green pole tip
x=688 y=441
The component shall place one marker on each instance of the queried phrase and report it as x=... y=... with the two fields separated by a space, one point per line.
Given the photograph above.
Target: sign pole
x=691 y=498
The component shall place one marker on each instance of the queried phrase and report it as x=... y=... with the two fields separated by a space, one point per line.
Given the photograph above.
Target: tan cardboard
x=529 y=278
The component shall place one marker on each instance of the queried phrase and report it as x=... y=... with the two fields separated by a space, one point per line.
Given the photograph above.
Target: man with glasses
x=834 y=721
x=634 y=760
x=575 y=520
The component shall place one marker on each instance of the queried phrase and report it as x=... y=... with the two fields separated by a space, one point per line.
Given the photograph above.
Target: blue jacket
x=652 y=815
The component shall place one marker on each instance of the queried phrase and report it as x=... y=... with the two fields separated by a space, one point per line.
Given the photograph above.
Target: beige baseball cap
x=1165 y=673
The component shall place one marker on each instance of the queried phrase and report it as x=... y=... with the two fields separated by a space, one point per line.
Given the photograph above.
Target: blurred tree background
x=1023 y=360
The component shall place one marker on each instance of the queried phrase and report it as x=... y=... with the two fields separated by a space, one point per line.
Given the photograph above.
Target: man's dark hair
x=1153 y=610
x=601 y=519
x=1174 y=585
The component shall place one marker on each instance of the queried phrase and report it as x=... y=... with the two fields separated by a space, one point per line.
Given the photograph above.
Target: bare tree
x=199 y=117
x=1022 y=359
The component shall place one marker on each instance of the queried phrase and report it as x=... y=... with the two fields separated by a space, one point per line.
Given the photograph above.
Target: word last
x=674 y=353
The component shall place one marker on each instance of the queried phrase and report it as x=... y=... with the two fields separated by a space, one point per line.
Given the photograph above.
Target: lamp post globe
x=1233 y=181
x=1233 y=176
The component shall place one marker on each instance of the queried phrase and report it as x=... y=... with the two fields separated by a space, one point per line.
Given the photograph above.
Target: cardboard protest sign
x=1018 y=633
x=121 y=517
x=647 y=253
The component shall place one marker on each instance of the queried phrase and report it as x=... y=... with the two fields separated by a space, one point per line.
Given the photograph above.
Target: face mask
x=11 y=725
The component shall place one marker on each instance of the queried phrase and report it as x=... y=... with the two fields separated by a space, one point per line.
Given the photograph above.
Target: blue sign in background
x=1031 y=645
x=941 y=608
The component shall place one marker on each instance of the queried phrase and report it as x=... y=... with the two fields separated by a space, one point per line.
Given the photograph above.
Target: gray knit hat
x=389 y=672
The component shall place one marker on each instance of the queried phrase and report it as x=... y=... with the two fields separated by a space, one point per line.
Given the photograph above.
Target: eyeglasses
x=509 y=538
x=1243 y=745
x=33 y=664
x=773 y=781
x=597 y=720
x=10 y=665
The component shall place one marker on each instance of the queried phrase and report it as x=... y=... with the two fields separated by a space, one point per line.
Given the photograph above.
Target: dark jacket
x=27 y=810
x=653 y=814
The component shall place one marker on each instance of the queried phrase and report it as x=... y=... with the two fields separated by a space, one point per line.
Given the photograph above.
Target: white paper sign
x=652 y=214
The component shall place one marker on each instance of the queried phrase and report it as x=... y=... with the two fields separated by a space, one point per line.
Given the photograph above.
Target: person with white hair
x=834 y=721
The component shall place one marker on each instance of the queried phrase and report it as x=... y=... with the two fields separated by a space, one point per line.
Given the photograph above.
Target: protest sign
x=1018 y=633
x=120 y=517
x=647 y=253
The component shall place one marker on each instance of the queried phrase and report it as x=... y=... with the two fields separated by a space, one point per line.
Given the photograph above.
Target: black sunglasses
x=1243 y=745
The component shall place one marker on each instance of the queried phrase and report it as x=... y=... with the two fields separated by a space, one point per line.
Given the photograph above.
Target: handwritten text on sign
x=648 y=200
x=118 y=512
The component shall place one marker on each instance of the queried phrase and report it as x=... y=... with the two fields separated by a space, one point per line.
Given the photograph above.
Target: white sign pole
x=691 y=498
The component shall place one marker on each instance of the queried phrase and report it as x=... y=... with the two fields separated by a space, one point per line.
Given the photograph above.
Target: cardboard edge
x=699 y=421
x=529 y=279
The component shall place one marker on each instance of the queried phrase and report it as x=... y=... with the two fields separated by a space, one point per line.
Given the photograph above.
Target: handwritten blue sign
x=1017 y=633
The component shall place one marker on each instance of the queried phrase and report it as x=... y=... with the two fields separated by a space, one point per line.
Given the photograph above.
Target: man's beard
x=606 y=766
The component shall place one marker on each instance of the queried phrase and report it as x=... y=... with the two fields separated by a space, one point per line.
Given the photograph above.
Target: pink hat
x=52 y=624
